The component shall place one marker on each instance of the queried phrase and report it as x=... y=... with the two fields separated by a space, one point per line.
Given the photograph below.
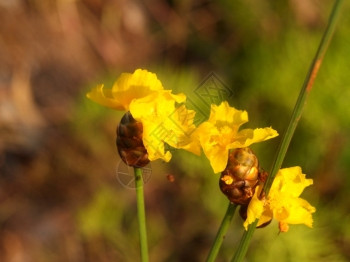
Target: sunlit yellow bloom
x=221 y=133
x=283 y=202
x=127 y=88
x=143 y=95
x=164 y=123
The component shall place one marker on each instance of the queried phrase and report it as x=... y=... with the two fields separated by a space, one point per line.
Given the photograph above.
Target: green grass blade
x=299 y=106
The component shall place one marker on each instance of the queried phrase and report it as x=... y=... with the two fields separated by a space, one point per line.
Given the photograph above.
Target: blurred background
x=63 y=190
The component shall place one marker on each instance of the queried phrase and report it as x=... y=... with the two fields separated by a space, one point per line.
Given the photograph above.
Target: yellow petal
x=163 y=122
x=141 y=80
x=225 y=115
x=280 y=208
x=300 y=213
x=153 y=144
x=181 y=124
x=218 y=158
x=127 y=88
x=246 y=137
x=255 y=209
x=211 y=140
x=104 y=97
x=159 y=104
x=291 y=181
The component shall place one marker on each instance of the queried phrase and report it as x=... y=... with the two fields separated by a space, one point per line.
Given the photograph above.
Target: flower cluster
x=156 y=117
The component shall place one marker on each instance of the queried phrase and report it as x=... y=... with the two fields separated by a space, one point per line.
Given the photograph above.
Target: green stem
x=221 y=232
x=304 y=92
x=298 y=109
x=141 y=215
x=244 y=243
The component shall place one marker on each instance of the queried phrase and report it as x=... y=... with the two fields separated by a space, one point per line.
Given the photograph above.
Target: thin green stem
x=244 y=243
x=304 y=92
x=141 y=214
x=298 y=109
x=221 y=232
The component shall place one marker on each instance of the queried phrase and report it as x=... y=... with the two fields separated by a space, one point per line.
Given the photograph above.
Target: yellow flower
x=283 y=202
x=127 y=88
x=164 y=123
x=221 y=133
x=143 y=95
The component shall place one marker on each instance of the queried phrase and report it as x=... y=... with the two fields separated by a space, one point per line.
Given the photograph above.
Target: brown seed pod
x=129 y=142
x=241 y=176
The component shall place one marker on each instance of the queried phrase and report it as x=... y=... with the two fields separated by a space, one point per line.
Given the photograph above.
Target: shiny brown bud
x=241 y=176
x=129 y=142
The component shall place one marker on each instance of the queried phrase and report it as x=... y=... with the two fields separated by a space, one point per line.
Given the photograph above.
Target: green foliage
x=102 y=216
x=299 y=244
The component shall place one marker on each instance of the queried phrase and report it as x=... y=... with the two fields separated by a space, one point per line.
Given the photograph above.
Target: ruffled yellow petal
x=180 y=123
x=153 y=143
x=255 y=209
x=104 y=97
x=127 y=88
x=141 y=80
x=157 y=105
x=300 y=212
x=220 y=134
x=246 y=137
x=164 y=123
x=218 y=158
x=134 y=86
x=291 y=181
x=211 y=140
x=224 y=115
